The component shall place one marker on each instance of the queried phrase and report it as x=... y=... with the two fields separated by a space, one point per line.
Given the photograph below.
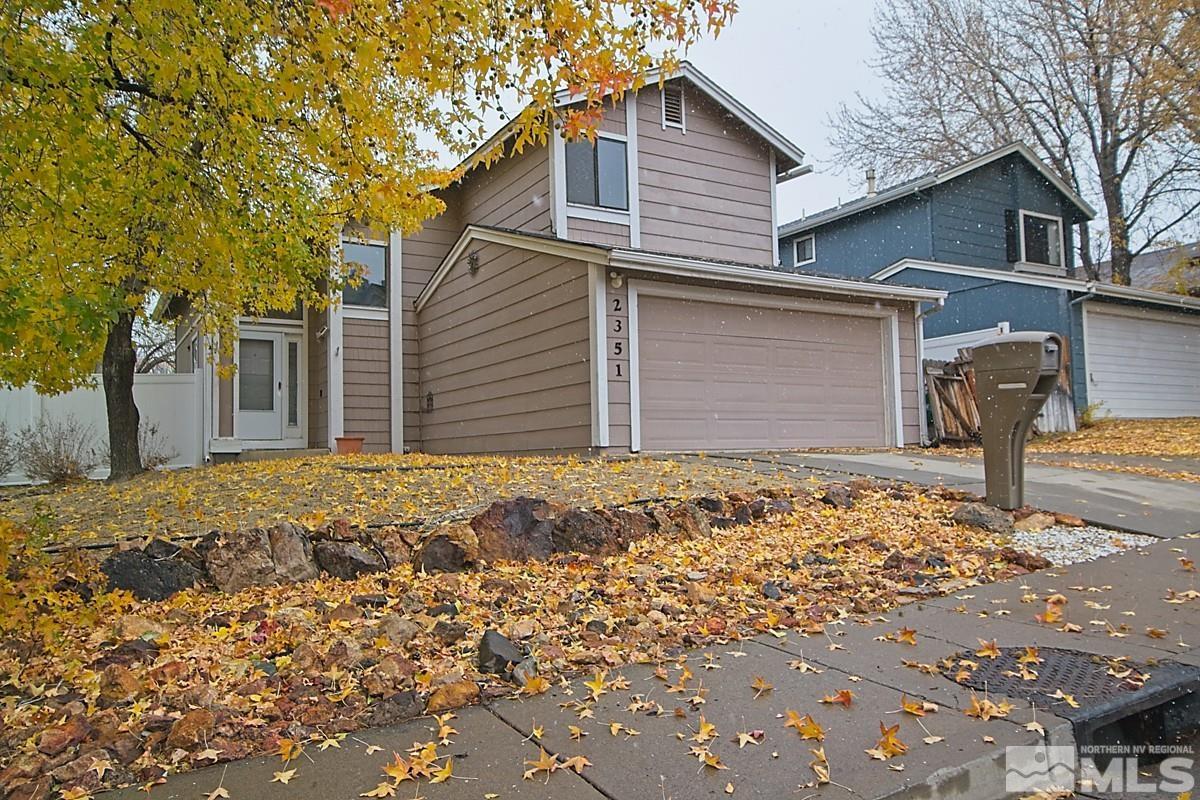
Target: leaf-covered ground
x=1166 y=438
x=363 y=489
x=113 y=691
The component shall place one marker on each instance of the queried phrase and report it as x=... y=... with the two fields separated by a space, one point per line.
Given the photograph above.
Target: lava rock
x=983 y=516
x=771 y=591
x=597 y=626
x=399 y=707
x=443 y=610
x=449 y=632
x=193 y=728
x=398 y=630
x=497 y=654
x=1028 y=561
x=347 y=560
x=370 y=600
x=148 y=577
x=838 y=496
x=394 y=543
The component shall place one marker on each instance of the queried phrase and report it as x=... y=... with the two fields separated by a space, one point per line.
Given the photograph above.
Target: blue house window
x=1041 y=239
x=805 y=250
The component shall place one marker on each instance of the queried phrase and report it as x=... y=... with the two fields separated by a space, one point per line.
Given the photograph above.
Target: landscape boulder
x=449 y=548
x=521 y=529
x=984 y=517
x=347 y=560
x=1037 y=521
x=291 y=553
x=147 y=577
x=579 y=531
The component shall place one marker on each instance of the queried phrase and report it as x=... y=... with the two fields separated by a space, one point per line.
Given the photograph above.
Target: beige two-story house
x=616 y=296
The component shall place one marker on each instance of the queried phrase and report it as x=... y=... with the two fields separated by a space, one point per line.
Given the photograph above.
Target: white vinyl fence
x=170 y=402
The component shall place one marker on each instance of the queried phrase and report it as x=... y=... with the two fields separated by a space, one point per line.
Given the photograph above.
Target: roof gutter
x=794 y=172
x=692 y=268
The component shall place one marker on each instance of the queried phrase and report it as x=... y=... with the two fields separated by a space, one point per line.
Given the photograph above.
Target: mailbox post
x=1014 y=376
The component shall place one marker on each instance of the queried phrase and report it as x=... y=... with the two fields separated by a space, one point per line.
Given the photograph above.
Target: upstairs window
x=1041 y=239
x=805 y=250
x=369 y=262
x=672 y=106
x=597 y=174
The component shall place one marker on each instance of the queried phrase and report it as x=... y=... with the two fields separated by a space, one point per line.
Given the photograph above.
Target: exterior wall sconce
x=616 y=279
x=473 y=262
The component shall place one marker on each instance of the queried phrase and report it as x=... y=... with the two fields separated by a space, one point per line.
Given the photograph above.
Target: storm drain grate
x=1089 y=678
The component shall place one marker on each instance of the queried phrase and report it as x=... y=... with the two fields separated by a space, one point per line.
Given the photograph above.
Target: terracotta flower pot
x=348 y=445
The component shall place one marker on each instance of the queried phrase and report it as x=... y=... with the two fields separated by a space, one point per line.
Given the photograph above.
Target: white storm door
x=260 y=386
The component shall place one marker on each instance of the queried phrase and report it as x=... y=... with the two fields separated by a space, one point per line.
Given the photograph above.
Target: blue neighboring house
x=998 y=233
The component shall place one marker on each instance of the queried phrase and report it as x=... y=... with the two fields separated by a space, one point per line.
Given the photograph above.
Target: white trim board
x=635 y=376
x=396 y=341
x=598 y=330
x=1083 y=287
x=631 y=166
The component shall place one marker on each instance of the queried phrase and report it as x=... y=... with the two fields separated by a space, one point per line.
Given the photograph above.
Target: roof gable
x=915 y=185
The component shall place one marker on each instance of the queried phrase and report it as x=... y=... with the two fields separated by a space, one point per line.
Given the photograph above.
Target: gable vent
x=672 y=105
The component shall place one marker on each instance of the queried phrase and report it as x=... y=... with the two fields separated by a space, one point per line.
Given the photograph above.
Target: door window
x=256 y=375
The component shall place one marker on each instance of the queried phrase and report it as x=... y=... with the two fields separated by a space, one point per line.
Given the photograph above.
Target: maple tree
x=215 y=152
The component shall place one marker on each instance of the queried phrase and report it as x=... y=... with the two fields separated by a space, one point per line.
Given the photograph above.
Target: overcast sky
x=792 y=63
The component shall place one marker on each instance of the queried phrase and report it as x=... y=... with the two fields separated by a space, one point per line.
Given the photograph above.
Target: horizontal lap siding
x=707 y=192
x=365 y=380
x=504 y=354
x=513 y=193
x=597 y=232
x=421 y=253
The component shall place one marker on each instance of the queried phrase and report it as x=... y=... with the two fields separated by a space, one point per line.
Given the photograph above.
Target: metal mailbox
x=1014 y=376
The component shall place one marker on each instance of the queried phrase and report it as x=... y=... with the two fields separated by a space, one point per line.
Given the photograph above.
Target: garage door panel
x=1143 y=365
x=724 y=376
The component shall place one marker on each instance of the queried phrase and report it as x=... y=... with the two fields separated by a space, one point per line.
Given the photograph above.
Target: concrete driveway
x=1120 y=500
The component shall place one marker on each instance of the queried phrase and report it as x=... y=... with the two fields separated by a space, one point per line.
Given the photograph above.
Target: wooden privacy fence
x=954 y=402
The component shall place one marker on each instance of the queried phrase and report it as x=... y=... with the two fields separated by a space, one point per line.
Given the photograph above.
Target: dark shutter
x=1012 y=236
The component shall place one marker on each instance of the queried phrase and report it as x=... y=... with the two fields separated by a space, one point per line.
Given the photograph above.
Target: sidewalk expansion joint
x=528 y=737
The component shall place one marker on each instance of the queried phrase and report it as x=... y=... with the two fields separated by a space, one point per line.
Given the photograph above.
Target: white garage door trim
x=890 y=337
x=1092 y=310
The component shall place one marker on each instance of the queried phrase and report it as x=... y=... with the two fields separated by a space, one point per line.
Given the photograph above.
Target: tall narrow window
x=672 y=105
x=369 y=262
x=597 y=174
x=293 y=382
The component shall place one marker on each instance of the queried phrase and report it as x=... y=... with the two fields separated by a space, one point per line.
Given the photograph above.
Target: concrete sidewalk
x=1114 y=601
x=1150 y=506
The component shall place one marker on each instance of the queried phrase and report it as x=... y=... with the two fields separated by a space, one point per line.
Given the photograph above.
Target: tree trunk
x=1085 y=253
x=125 y=458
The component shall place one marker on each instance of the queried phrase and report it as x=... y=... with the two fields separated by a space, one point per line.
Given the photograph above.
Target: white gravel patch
x=1064 y=545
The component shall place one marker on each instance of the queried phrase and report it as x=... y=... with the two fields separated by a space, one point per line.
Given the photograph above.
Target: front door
x=260 y=386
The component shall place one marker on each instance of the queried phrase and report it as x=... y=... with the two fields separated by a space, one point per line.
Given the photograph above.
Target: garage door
x=720 y=376
x=1143 y=364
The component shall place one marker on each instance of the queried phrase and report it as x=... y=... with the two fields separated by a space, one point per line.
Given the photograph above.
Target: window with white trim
x=804 y=250
x=673 y=109
x=369 y=262
x=597 y=174
x=1041 y=239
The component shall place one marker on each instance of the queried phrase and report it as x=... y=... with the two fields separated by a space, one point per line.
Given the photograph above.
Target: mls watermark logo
x=1027 y=769
x=1044 y=767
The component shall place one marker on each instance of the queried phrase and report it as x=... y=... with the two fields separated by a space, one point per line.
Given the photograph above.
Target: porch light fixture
x=616 y=279
x=473 y=261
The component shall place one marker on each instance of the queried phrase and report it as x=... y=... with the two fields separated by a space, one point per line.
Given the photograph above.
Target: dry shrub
x=57 y=450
